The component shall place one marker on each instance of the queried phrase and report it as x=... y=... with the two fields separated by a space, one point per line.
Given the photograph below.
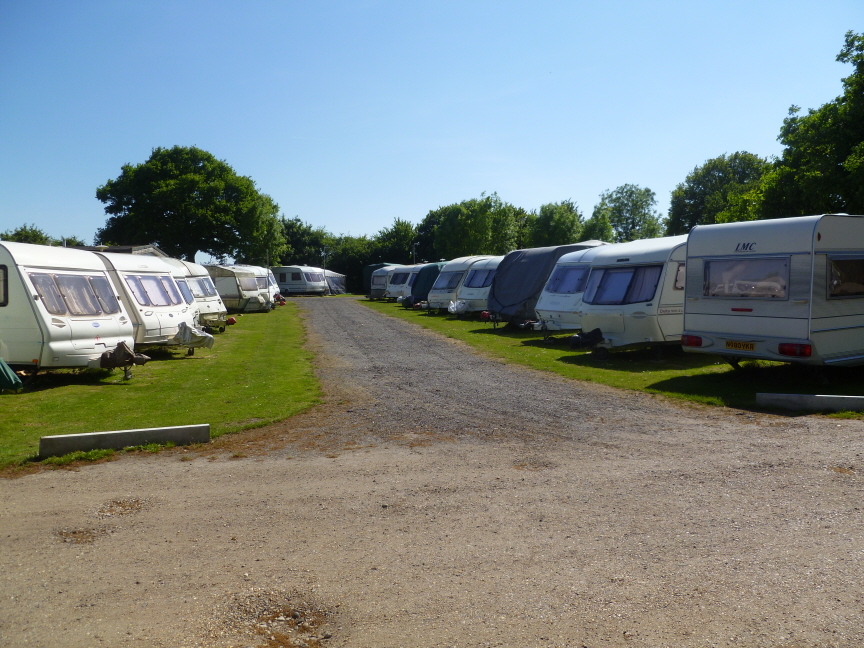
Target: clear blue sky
x=351 y=114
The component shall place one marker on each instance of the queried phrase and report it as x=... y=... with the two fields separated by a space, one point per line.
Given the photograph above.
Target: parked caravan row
x=243 y=288
x=62 y=307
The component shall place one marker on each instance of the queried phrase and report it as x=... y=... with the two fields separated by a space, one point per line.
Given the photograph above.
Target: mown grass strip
x=257 y=372
x=698 y=378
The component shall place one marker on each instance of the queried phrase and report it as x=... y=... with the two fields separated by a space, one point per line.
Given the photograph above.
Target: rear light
x=796 y=350
x=691 y=341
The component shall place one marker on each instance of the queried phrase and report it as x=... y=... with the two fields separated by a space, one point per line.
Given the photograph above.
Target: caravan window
x=566 y=280
x=184 y=290
x=48 y=292
x=171 y=288
x=137 y=289
x=846 y=277
x=398 y=278
x=627 y=285
x=4 y=283
x=248 y=284
x=105 y=294
x=679 y=276
x=756 y=278
x=261 y=282
x=155 y=290
x=295 y=276
x=447 y=280
x=379 y=280
x=201 y=287
x=479 y=278
x=411 y=278
x=78 y=295
x=314 y=277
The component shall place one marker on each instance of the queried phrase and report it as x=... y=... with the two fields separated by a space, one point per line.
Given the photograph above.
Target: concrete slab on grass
x=815 y=403
x=62 y=444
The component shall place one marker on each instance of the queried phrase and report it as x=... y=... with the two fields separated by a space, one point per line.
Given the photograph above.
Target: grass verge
x=694 y=377
x=257 y=372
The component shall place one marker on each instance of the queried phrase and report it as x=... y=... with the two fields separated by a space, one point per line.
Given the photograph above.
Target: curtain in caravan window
x=48 y=292
x=261 y=282
x=4 y=283
x=185 y=291
x=248 y=284
x=644 y=284
x=105 y=294
x=137 y=289
x=171 y=288
x=846 y=278
x=567 y=280
x=155 y=290
x=79 y=296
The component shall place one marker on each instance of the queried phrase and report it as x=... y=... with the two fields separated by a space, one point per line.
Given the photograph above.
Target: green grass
x=695 y=377
x=257 y=372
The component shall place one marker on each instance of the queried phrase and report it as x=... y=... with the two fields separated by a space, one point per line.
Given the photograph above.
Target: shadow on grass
x=671 y=358
x=739 y=388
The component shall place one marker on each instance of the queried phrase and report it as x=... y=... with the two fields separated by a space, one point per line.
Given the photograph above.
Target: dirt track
x=442 y=499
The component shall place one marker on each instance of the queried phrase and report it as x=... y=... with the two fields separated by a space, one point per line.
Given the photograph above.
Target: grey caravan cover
x=521 y=277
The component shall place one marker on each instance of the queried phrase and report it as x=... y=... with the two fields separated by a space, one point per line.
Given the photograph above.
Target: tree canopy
x=186 y=201
x=32 y=234
x=556 y=224
x=630 y=211
x=711 y=191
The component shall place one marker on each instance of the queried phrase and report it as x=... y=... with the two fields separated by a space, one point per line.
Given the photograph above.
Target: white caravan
x=474 y=290
x=265 y=281
x=194 y=282
x=452 y=276
x=149 y=294
x=380 y=278
x=238 y=288
x=300 y=280
x=58 y=308
x=559 y=304
x=788 y=289
x=634 y=294
x=400 y=280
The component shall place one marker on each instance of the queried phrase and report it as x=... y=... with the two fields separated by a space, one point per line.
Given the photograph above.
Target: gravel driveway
x=438 y=498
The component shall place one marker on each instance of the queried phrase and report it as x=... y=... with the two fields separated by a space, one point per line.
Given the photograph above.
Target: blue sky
x=351 y=114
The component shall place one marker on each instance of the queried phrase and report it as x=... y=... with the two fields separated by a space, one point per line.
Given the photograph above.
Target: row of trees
x=186 y=201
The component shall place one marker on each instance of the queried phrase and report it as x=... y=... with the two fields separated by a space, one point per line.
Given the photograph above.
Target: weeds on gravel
x=257 y=372
x=698 y=378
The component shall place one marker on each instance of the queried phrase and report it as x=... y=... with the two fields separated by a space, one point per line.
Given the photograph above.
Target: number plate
x=740 y=346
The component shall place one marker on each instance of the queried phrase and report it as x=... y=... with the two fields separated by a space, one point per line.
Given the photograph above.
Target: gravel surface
x=438 y=498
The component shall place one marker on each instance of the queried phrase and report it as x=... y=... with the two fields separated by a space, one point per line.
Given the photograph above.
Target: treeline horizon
x=185 y=201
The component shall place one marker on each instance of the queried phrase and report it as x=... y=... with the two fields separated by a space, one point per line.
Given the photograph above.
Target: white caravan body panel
x=450 y=279
x=194 y=280
x=786 y=289
x=400 y=280
x=146 y=287
x=561 y=300
x=300 y=280
x=635 y=292
x=58 y=307
x=474 y=290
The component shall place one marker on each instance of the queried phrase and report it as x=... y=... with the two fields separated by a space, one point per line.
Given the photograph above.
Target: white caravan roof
x=579 y=256
x=135 y=262
x=463 y=263
x=798 y=234
x=655 y=250
x=48 y=256
x=296 y=268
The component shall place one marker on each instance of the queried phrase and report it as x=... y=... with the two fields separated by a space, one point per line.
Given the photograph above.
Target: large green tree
x=556 y=224
x=821 y=168
x=395 y=244
x=484 y=225
x=630 y=211
x=711 y=191
x=185 y=201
